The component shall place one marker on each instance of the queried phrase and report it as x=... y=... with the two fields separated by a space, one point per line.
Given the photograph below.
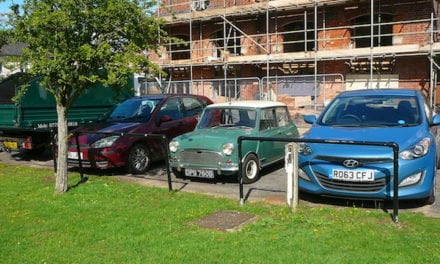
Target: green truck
x=27 y=125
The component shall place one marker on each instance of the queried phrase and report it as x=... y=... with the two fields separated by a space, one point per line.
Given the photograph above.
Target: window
x=283 y=117
x=180 y=50
x=193 y=107
x=231 y=38
x=200 y=5
x=298 y=37
x=382 y=32
x=172 y=108
x=268 y=119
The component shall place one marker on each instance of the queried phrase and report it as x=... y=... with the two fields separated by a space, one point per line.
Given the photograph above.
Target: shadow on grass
x=158 y=172
x=81 y=181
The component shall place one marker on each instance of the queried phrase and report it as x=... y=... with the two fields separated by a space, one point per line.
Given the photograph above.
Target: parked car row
x=203 y=140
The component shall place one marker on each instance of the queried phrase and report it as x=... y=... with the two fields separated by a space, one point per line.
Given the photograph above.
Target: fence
x=295 y=90
x=162 y=138
x=392 y=145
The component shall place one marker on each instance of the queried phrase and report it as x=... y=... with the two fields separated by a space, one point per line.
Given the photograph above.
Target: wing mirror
x=310 y=119
x=163 y=119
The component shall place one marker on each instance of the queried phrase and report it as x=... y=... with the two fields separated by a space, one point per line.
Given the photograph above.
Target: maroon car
x=162 y=114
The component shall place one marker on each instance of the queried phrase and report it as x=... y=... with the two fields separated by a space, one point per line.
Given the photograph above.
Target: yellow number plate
x=11 y=145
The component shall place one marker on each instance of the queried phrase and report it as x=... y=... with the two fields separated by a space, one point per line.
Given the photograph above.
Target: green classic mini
x=211 y=149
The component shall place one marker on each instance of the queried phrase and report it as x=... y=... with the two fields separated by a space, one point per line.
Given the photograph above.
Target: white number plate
x=199 y=173
x=353 y=175
x=74 y=155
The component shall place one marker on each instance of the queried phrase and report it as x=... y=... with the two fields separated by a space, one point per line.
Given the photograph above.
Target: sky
x=4 y=6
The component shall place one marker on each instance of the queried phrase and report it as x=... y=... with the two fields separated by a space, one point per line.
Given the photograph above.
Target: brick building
x=302 y=52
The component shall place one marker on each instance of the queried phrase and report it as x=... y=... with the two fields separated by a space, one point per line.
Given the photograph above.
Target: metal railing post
x=393 y=145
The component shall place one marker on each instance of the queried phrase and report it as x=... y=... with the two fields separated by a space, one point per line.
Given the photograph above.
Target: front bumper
x=204 y=160
x=382 y=188
x=95 y=158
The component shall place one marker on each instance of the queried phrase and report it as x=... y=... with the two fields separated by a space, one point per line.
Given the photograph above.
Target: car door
x=173 y=120
x=275 y=122
x=286 y=127
x=268 y=151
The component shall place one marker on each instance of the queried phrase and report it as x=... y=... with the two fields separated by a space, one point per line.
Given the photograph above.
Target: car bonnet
x=403 y=136
x=212 y=138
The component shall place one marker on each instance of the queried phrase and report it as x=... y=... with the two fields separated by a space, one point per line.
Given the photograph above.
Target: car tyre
x=178 y=174
x=431 y=198
x=250 y=169
x=138 y=159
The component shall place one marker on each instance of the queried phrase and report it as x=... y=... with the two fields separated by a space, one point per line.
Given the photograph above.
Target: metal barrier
x=161 y=137
x=392 y=145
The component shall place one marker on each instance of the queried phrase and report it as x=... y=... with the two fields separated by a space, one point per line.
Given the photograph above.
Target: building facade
x=302 y=52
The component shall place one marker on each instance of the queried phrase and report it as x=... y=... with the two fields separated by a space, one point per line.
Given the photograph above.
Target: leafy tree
x=76 y=43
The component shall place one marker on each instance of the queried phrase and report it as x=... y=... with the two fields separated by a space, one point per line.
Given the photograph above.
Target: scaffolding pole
x=315 y=49
x=431 y=66
x=371 y=43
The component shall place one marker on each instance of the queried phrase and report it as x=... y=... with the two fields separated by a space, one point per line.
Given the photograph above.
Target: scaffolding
x=297 y=36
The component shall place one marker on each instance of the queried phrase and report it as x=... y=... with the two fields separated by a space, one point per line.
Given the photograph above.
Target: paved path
x=270 y=188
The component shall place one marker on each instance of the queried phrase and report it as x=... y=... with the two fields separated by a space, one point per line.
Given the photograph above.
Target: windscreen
x=372 y=111
x=228 y=117
x=134 y=108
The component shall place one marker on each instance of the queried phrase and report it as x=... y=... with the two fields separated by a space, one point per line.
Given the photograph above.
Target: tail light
x=27 y=143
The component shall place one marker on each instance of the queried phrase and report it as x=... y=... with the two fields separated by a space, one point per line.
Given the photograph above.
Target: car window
x=372 y=111
x=283 y=117
x=134 y=109
x=172 y=108
x=193 y=107
x=228 y=117
x=268 y=119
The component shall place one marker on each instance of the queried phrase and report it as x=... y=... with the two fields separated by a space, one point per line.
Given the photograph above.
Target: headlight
x=303 y=175
x=228 y=148
x=105 y=142
x=418 y=150
x=304 y=149
x=174 y=146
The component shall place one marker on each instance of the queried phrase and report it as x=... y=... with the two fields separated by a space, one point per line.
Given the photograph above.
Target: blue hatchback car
x=366 y=172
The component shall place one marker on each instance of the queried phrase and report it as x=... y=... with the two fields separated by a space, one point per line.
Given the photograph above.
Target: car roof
x=152 y=96
x=398 y=92
x=162 y=96
x=248 y=104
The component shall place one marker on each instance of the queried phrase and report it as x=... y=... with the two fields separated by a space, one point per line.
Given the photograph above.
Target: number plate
x=10 y=144
x=199 y=173
x=74 y=155
x=353 y=175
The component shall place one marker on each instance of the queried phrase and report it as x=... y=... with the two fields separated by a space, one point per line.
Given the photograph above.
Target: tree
x=76 y=43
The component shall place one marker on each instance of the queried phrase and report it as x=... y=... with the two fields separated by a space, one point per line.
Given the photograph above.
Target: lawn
x=107 y=221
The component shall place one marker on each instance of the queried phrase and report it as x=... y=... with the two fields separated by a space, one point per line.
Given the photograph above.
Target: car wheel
x=431 y=198
x=138 y=159
x=178 y=174
x=250 y=170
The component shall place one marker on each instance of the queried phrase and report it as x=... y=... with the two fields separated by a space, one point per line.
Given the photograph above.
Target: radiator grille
x=200 y=157
x=372 y=186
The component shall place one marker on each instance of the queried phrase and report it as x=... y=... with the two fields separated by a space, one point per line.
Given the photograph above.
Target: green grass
x=107 y=221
